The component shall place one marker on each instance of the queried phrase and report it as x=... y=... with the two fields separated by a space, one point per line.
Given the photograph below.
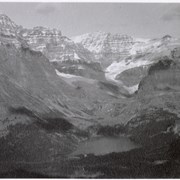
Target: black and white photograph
x=89 y=89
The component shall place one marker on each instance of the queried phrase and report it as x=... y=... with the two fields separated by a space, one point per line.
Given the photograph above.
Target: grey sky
x=138 y=19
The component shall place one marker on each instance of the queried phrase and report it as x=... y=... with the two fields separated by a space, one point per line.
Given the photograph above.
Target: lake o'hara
x=105 y=145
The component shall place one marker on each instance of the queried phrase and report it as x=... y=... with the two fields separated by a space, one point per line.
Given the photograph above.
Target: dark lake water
x=105 y=145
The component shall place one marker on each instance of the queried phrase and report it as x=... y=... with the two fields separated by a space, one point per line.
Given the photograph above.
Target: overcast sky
x=137 y=20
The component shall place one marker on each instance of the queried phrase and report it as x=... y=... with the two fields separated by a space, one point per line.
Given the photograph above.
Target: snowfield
x=69 y=78
x=118 y=67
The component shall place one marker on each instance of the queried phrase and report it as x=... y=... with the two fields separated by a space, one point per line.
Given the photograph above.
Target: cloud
x=174 y=14
x=45 y=8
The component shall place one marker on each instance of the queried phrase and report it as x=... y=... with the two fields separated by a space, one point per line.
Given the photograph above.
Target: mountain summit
x=106 y=46
x=7 y=26
x=6 y=22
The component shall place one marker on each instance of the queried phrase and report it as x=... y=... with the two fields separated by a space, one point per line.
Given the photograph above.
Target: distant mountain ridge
x=115 y=47
x=99 y=55
x=56 y=47
x=79 y=55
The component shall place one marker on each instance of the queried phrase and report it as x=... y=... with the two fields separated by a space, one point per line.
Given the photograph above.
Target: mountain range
x=57 y=91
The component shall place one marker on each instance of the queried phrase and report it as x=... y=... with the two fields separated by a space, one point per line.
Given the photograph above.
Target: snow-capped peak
x=100 y=41
x=92 y=41
x=81 y=38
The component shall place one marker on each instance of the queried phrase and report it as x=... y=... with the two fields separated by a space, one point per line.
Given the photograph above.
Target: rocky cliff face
x=105 y=46
x=8 y=30
x=62 y=52
x=7 y=26
x=56 y=47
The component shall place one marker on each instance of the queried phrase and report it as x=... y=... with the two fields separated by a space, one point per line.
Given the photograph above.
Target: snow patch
x=76 y=56
x=70 y=78
x=118 y=67
x=54 y=60
x=65 y=75
x=132 y=89
x=80 y=67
